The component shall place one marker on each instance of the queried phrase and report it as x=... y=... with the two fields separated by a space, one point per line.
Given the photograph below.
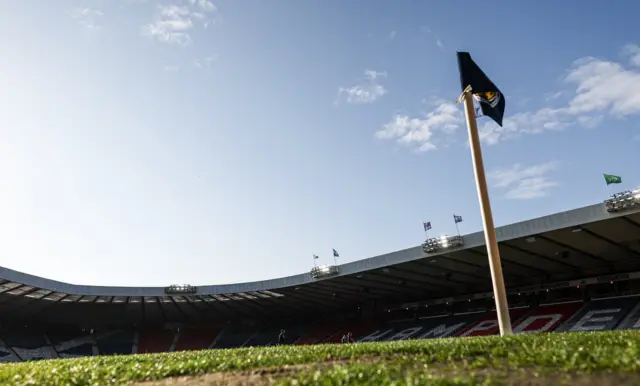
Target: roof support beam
x=576 y=250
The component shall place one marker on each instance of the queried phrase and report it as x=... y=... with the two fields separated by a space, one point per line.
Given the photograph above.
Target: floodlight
x=623 y=201
x=443 y=242
x=324 y=271
x=180 y=289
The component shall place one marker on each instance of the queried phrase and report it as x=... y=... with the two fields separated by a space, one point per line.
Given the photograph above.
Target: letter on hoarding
x=551 y=320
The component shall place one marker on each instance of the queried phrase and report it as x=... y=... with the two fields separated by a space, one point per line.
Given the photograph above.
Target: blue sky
x=150 y=143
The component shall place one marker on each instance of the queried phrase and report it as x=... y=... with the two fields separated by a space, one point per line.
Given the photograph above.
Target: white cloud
x=424 y=133
x=553 y=96
x=170 y=68
x=633 y=51
x=174 y=22
x=207 y=62
x=205 y=5
x=524 y=123
x=590 y=121
x=596 y=88
x=87 y=18
x=372 y=75
x=439 y=43
x=522 y=183
x=604 y=86
x=529 y=188
x=367 y=92
x=391 y=36
x=172 y=25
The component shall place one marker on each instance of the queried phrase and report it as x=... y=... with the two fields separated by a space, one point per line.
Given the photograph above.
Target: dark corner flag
x=491 y=100
x=476 y=86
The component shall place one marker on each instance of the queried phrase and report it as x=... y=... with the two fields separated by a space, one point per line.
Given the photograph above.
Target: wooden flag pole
x=495 y=265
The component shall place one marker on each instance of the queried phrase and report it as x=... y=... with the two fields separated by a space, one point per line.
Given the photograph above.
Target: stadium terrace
x=573 y=271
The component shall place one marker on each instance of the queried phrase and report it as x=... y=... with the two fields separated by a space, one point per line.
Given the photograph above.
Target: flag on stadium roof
x=457 y=219
x=427 y=225
x=335 y=253
x=315 y=257
x=491 y=100
x=611 y=179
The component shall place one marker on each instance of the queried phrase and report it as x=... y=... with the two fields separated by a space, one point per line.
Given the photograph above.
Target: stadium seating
x=155 y=340
x=632 y=321
x=72 y=344
x=357 y=329
x=6 y=354
x=263 y=337
x=319 y=333
x=294 y=333
x=115 y=342
x=599 y=315
x=196 y=338
x=602 y=314
x=546 y=318
x=488 y=323
x=424 y=328
x=29 y=345
x=233 y=336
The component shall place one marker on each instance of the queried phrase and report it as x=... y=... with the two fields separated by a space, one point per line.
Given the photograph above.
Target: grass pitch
x=603 y=358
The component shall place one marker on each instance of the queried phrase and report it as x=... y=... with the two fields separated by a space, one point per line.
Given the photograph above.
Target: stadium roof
x=565 y=246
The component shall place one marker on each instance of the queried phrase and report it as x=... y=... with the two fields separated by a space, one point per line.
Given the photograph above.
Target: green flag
x=611 y=179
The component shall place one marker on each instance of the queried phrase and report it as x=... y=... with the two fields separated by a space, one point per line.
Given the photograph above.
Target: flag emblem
x=611 y=179
x=335 y=253
x=491 y=98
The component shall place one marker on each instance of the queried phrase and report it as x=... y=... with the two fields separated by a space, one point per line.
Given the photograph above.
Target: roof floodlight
x=442 y=243
x=324 y=271
x=622 y=201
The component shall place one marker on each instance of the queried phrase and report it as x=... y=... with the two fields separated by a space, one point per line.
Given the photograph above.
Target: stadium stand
x=29 y=345
x=266 y=336
x=72 y=344
x=115 y=342
x=233 y=336
x=488 y=324
x=572 y=271
x=632 y=321
x=319 y=333
x=7 y=354
x=156 y=340
x=599 y=315
x=196 y=339
x=357 y=328
x=546 y=318
x=295 y=332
